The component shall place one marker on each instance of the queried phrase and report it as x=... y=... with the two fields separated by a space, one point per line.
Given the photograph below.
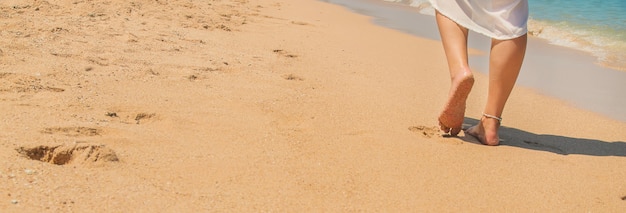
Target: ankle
x=490 y=129
x=463 y=74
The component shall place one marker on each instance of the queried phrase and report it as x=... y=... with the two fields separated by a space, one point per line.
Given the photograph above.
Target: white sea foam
x=609 y=49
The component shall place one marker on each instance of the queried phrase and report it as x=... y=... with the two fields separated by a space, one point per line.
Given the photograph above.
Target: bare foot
x=451 y=118
x=486 y=131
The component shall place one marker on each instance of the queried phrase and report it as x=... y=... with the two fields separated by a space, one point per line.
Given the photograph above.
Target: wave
x=606 y=44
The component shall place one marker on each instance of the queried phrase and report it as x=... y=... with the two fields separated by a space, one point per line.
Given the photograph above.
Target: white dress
x=499 y=19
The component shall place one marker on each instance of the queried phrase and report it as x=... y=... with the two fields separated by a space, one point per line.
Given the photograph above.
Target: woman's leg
x=505 y=62
x=454 y=39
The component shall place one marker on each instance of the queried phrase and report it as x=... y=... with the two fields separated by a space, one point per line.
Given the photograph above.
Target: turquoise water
x=594 y=26
x=609 y=15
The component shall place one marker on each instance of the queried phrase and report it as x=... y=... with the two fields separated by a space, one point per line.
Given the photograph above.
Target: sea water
x=594 y=26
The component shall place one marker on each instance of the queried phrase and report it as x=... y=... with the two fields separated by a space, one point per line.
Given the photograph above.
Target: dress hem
x=480 y=31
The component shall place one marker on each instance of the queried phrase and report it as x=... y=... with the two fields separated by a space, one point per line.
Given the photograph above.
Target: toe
x=444 y=128
x=455 y=131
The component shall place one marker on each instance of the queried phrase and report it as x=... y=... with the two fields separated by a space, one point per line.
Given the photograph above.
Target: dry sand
x=268 y=105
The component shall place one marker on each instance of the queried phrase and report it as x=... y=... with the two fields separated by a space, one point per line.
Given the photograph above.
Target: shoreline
x=547 y=68
x=560 y=34
x=605 y=56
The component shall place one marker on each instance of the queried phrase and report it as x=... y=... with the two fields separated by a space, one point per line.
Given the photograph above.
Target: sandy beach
x=269 y=106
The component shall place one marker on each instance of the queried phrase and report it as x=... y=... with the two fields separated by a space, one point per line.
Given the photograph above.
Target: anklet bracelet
x=494 y=117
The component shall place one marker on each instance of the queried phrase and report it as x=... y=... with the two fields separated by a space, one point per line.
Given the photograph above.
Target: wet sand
x=563 y=73
x=271 y=105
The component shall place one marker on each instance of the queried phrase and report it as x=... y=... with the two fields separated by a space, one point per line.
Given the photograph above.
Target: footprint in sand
x=285 y=53
x=427 y=132
x=433 y=132
x=292 y=77
x=131 y=117
x=201 y=73
x=19 y=83
x=73 y=131
x=65 y=154
x=143 y=117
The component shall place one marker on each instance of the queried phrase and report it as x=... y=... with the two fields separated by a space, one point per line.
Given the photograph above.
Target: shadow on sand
x=553 y=143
